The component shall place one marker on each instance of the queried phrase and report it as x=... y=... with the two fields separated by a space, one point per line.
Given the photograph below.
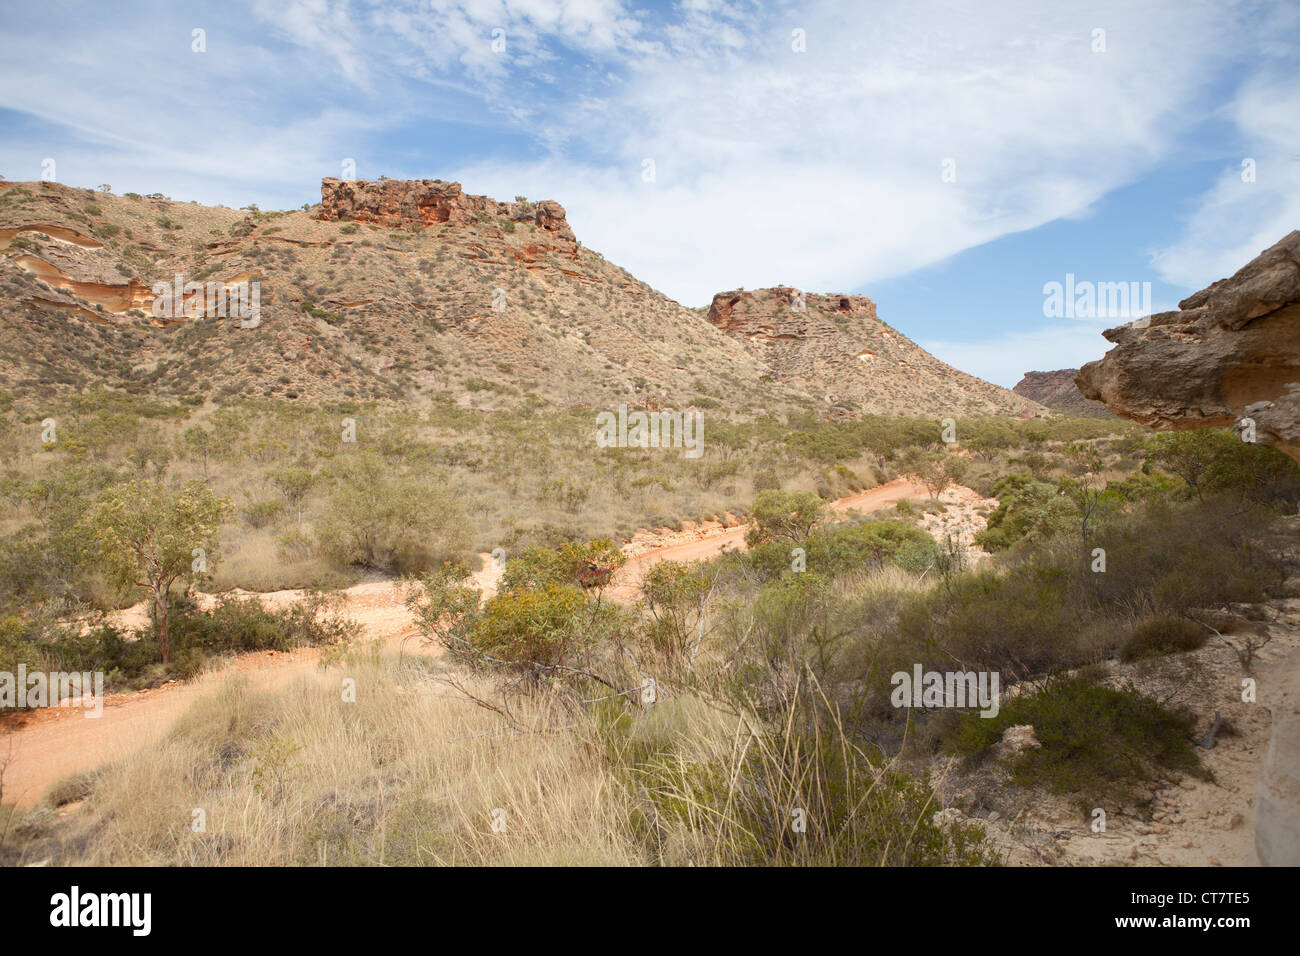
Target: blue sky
x=802 y=143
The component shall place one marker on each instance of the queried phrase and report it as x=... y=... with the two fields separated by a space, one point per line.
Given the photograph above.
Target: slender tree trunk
x=160 y=620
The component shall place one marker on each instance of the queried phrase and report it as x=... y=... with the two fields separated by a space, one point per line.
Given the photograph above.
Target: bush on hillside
x=785 y=516
x=1167 y=634
x=380 y=518
x=1096 y=741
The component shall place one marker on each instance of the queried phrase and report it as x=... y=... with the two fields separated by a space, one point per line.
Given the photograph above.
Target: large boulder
x=1230 y=352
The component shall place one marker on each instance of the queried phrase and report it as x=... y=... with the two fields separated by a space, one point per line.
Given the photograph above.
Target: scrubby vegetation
x=739 y=711
x=1096 y=740
x=43 y=642
x=321 y=495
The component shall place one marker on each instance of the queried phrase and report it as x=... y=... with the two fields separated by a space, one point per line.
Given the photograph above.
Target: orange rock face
x=401 y=202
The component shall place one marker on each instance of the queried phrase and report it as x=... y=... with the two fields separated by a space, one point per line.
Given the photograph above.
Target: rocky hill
x=1058 y=392
x=836 y=347
x=415 y=290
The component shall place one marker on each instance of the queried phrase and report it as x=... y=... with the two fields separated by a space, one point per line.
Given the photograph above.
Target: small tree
x=378 y=518
x=937 y=470
x=1189 y=455
x=785 y=515
x=677 y=599
x=148 y=535
x=199 y=440
x=1088 y=486
x=294 y=483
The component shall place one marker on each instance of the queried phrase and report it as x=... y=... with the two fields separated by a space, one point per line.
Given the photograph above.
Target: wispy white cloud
x=824 y=168
x=1256 y=200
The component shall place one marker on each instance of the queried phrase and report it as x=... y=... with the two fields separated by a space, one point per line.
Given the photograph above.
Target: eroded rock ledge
x=398 y=202
x=1231 y=351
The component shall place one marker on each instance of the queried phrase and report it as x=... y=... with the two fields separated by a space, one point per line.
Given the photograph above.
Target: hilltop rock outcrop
x=1231 y=351
x=837 y=348
x=400 y=202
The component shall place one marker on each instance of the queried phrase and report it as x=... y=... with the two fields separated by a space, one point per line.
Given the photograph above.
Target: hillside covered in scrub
x=415 y=291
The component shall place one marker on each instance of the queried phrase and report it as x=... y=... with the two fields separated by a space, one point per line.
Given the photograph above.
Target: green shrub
x=530 y=629
x=237 y=625
x=784 y=515
x=1027 y=510
x=1167 y=634
x=380 y=518
x=1215 y=461
x=546 y=624
x=1016 y=623
x=1096 y=741
x=260 y=514
x=850 y=547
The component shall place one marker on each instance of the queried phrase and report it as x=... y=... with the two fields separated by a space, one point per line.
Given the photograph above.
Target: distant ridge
x=1058 y=392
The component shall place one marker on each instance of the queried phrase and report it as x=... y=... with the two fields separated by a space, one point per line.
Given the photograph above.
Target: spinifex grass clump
x=796 y=790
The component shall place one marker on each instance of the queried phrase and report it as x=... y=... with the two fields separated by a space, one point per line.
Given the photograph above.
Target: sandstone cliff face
x=1232 y=351
x=400 y=202
x=1058 y=392
x=836 y=347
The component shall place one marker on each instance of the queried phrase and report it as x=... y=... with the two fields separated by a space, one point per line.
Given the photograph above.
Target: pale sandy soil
x=51 y=744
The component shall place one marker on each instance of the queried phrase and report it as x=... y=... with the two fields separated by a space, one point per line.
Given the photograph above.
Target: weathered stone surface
x=1232 y=351
x=1015 y=741
x=1058 y=392
x=400 y=202
x=1277 y=796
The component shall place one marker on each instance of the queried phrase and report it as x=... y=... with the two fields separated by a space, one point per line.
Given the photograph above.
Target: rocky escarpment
x=1058 y=392
x=836 y=347
x=1231 y=351
x=401 y=202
